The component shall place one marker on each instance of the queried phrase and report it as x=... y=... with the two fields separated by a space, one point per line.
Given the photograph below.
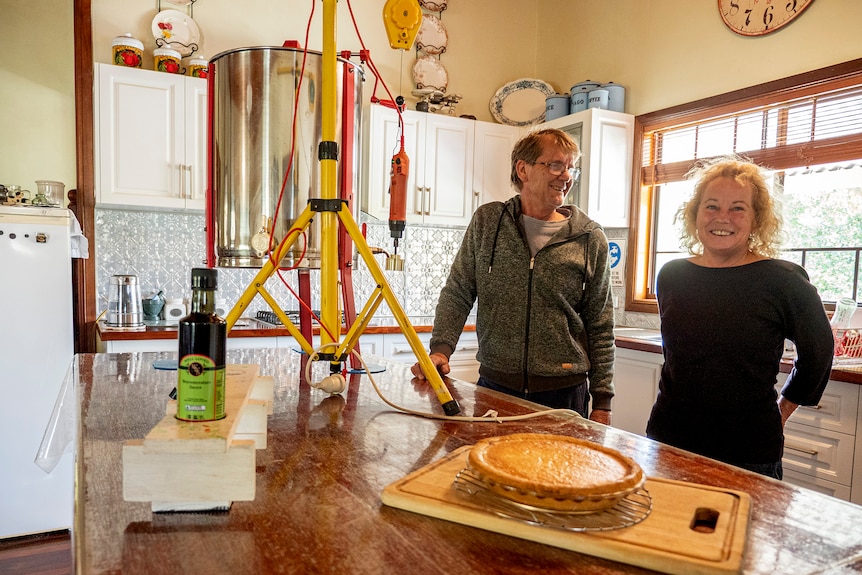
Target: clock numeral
x=734 y=9
x=767 y=16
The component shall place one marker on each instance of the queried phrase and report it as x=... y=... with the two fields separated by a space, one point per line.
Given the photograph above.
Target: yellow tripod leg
x=450 y=406
x=258 y=284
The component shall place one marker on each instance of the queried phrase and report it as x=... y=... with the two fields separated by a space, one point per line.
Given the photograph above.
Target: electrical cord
x=335 y=383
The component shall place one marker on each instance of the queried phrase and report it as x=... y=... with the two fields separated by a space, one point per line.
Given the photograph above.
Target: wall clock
x=759 y=17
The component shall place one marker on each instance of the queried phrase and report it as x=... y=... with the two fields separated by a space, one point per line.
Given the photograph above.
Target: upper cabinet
x=606 y=139
x=150 y=138
x=492 y=162
x=440 y=151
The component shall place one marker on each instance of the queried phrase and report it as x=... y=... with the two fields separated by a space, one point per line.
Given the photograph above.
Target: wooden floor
x=45 y=554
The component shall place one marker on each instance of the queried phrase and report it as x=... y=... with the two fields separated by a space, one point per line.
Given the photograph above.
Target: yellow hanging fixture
x=402 y=20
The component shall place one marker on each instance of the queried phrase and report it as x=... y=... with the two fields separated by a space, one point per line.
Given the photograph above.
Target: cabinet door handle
x=419 y=200
x=811 y=452
x=427 y=203
x=182 y=181
x=190 y=190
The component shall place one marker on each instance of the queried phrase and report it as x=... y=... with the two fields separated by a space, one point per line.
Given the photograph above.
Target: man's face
x=548 y=179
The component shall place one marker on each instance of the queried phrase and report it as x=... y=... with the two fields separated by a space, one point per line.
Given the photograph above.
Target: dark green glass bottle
x=202 y=343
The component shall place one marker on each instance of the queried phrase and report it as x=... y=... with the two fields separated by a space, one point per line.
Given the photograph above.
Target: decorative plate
x=428 y=72
x=173 y=29
x=432 y=37
x=434 y=5
x=521 y=103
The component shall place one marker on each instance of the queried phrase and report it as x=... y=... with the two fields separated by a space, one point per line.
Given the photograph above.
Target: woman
x=725 y=313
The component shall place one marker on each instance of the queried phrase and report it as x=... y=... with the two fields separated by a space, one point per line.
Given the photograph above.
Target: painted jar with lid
x=167 y=60
x=198 y=67
x=127 y=51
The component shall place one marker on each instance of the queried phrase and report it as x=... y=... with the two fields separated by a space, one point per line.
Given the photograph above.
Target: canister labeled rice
x=556 y=106
x=127 y=51
x=166 y=60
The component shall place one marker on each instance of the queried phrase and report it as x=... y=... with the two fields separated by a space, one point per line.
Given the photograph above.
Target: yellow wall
x=665 y=52
x=669 y=52
x=487 y=46
x=37 y=93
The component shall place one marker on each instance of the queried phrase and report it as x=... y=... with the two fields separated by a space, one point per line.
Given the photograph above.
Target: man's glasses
x=557 y=169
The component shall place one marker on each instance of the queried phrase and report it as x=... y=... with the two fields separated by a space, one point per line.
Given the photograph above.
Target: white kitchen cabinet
x=397 y=348
x=606 y=139
x=820 y=441
x=462 y=363
x=492 y=163
x=440 y=177
x=143 y=345
x=150 y=138
x=636 y=377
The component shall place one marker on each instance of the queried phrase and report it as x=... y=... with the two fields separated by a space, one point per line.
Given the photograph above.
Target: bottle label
x=200 y=389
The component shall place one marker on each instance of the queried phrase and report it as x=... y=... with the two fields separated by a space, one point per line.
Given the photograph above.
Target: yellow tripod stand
x=331 y=211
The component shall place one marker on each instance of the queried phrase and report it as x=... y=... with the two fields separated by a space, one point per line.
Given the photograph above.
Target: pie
x=554 y=471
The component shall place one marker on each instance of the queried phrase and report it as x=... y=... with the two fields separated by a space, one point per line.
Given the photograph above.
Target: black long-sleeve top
x=723 y=332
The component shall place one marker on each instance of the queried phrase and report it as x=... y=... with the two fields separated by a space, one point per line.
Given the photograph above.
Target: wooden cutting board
x=664 y=541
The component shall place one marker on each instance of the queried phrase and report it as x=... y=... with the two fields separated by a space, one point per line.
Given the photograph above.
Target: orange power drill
x=398 y=195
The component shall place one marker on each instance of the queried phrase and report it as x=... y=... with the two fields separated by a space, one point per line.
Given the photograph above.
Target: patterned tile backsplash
x=161 y=248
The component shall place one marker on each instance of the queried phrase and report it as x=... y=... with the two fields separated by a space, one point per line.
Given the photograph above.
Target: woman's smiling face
x=725 y=218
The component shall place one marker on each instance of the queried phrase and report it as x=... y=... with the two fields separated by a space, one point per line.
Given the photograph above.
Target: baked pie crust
x=554 y=471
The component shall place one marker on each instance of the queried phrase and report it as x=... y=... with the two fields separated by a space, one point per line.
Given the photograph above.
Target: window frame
x=641 y=230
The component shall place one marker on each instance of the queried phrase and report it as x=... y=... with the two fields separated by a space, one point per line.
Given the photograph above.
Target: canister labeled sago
x=127 y=51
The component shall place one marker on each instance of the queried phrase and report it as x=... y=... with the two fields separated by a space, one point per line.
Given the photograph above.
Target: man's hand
x=440 y=361
x=601 y=416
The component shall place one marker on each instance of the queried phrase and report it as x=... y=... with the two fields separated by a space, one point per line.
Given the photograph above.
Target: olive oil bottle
x=202 y=343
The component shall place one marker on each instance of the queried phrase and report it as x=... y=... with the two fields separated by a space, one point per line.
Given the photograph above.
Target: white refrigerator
x=36 y=349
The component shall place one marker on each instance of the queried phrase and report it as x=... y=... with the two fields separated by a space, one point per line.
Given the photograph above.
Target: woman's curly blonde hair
x=765 y=232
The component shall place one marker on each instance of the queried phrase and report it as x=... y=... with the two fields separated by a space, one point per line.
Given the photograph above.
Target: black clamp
x=327 y=151
x=322 y=205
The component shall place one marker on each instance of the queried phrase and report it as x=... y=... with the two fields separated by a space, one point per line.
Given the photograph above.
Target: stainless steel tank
x=254 y=104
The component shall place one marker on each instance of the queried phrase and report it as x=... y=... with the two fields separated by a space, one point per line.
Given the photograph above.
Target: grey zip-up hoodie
x=543 y=323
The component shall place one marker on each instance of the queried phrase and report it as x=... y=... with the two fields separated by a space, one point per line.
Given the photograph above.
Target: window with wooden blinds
x=796 y=126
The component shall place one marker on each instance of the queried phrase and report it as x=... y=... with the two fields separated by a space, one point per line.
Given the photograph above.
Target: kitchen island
x=318 y=505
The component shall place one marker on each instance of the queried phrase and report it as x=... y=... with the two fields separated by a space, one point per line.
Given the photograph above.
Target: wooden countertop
x=318 y=509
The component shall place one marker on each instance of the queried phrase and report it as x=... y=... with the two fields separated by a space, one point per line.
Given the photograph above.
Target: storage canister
x=578 y=100
x=579 y=94
x=598 y=98
x=198 y=67
x=127 y=51
x=616 y=96
x=166 y=60
x=556 y=106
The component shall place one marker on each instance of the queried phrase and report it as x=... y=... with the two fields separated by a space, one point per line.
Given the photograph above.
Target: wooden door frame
x=82 y=199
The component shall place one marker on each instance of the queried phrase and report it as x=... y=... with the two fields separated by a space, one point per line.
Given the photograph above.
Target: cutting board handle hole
x=704 y=520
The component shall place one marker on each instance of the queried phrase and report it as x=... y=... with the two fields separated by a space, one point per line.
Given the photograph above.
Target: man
x=539 y=270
